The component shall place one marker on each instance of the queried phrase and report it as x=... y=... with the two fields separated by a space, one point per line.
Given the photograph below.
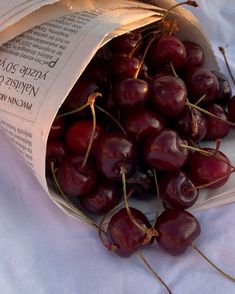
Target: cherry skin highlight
x=124 y=234
x=177 y=230
x=212 y=171
x=75 y=180
x=114 y=151
x=177 y=190
x=163 y=151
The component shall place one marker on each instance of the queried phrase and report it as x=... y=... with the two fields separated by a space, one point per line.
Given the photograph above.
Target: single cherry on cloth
x=231 y=109
x=177 y=229
x=78 y=136
x=141 y=122
x=165 y=151
x=177 y=191
x=102 y=199
x=168 y=94
x=167 y=49
x=115 y=152
x=73 y=178
x=211 y=170
x=191 y=123
x=57 y=128
x=130 y=92
x=124 y=234
x=216 y=129
x=200 y=81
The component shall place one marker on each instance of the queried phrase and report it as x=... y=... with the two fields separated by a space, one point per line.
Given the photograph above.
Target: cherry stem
x=173 y=70
x=132 y=218
x=209 y=113
x=111 y=212
x=211 y=263
x=191 y=3
x=145 y=53
x=74 y=111
x=82 y=215
x=200 y=99
x=157 y=198
x=156 y=275
x=113 y=118
x=221 y=49
x=91 y=101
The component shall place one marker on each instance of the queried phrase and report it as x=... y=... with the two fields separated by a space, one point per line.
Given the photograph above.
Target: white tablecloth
x=44 y=251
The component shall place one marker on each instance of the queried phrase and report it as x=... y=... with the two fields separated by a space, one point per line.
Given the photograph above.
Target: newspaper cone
x=39 y=68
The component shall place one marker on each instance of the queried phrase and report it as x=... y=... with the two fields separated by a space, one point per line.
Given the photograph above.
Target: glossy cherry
x=73 y=178
x=177 y=229
x=194 y=56
x=191 y=123
x=168 y=94
x=141 y=122
x=124 y=234
x=225 y=91
x=167 y=49
x=123 y=66
x=212 y=171
x=177 y=190
x=56 y=151
x=200 y=81
x=102 y=199
x=130 y=92
x=78 y=136
x=216 y=129
x=125 y=43
x=164 y=151
x=115 y=151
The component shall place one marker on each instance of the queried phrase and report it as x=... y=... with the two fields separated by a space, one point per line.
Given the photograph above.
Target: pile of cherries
x=152 y=104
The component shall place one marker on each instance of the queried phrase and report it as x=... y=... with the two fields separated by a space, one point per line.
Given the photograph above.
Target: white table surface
x=44 y=251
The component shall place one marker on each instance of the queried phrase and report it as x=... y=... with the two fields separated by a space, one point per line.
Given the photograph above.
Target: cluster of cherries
x=131 y=127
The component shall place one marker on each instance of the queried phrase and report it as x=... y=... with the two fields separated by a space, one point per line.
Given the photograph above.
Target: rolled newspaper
x=39 y=67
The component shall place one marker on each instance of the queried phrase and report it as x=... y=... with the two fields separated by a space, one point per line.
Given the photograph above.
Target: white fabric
x=44 y=251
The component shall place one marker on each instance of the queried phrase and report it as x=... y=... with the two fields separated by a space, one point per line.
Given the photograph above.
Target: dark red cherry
x=164 y=152
x=201 y=81
x=56 y=152
x=130 y=92
x=75 y=180
x=124 y=66
x=191 y=123
x=177 y=190
x=79 y=94
x=141 y=122
x=125 y=43
x=142 y=182
x=167 y=49
x=225 y=91
x=115 y=151
x=168 y=95
x=102 y=199
x=177 y=230
x=212 y=171
x=78 y=136
x=194 y=55
x=231 y=109
x=124 y=234
x=216 y=129
x=57 y=128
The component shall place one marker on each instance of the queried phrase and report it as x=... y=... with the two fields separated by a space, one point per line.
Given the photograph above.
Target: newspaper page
x=39 y=68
